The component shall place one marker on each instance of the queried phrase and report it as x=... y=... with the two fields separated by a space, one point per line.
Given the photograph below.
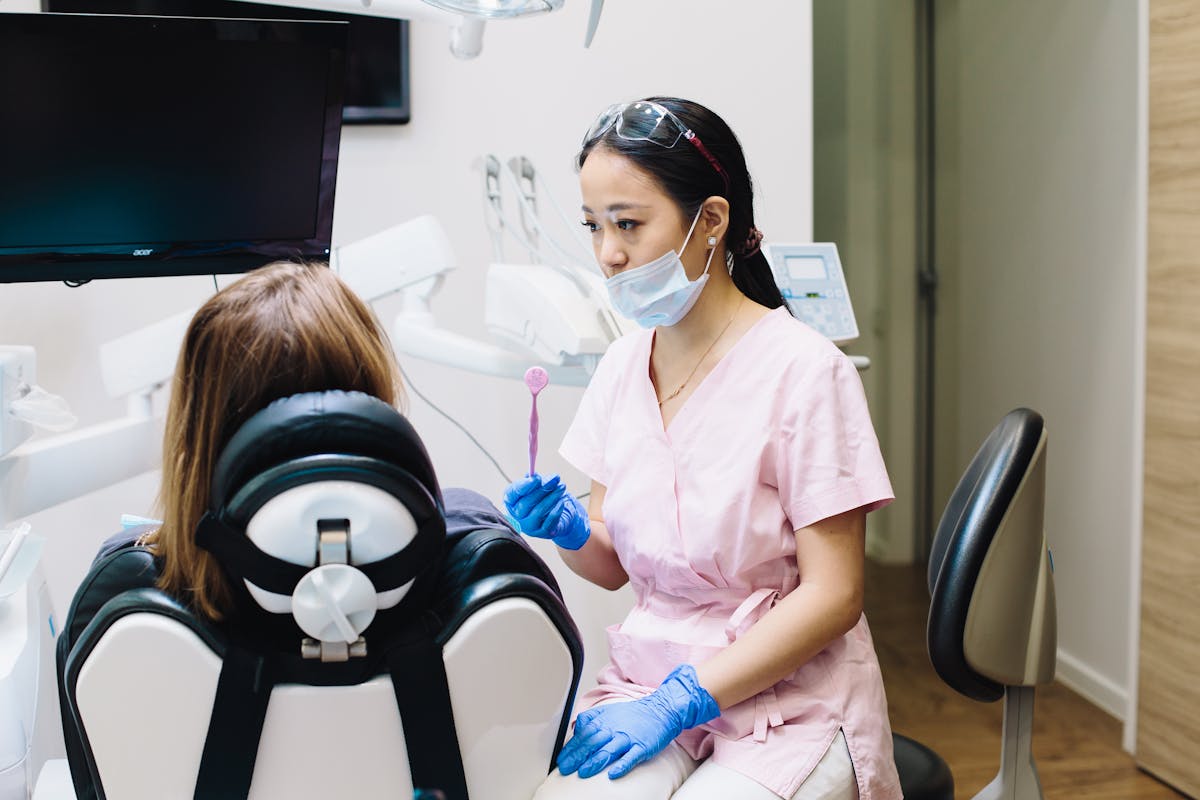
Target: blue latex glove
x=626 y=734
x=543 y=507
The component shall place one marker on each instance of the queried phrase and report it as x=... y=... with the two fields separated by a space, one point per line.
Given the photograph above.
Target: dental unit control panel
x=814 y=287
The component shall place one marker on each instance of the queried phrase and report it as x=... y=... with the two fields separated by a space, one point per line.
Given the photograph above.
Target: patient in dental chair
x=281 y=330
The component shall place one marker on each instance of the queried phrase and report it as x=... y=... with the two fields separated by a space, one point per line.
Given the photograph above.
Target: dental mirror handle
x=536 y=379
x=533 y=436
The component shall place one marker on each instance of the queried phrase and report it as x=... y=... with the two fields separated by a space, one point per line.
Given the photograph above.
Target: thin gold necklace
x=703 y=355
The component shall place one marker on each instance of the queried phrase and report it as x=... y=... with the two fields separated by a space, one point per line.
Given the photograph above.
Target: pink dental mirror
x=536 y=379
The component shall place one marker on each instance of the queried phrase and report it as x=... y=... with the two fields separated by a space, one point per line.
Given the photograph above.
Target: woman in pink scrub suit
x=733 y=463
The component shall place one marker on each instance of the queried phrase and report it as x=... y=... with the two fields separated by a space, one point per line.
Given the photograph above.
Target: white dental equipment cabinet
x=557 y=316
x=30 y=730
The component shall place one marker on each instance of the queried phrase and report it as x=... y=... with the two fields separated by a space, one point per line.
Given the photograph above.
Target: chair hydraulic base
x=1018 y=776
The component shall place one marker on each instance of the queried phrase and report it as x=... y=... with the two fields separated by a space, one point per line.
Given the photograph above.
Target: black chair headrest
x=302 y=441
x=313 y=423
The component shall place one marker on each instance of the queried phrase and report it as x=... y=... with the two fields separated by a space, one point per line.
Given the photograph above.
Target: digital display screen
x=805 y=267
x=164 y=139
x=102 y=147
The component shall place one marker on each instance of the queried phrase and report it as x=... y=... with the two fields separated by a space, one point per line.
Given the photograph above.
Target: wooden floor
x=1077 y=746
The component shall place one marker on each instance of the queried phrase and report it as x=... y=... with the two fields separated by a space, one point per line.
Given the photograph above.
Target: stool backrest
x=992 y=608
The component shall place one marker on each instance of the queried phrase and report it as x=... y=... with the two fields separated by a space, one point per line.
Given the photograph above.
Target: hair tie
x=753 y=242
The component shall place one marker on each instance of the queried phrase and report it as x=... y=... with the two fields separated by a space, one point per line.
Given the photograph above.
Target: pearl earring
x=712 y=241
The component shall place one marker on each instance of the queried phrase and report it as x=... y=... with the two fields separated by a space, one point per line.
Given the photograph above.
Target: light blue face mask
x=658 y=293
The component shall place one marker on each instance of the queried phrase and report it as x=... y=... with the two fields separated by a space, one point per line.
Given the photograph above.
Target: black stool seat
x=923 y=773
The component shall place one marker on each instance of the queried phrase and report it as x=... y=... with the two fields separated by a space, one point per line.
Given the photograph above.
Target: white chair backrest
x=146 y=690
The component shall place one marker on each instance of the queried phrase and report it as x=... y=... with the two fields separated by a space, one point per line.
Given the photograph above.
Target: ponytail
x=753 y=277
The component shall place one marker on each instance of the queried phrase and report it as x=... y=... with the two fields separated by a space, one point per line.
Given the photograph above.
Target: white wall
x=533 y=91
x=1040 y=184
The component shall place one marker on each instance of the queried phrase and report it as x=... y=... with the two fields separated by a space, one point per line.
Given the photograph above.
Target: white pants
x=673 y=775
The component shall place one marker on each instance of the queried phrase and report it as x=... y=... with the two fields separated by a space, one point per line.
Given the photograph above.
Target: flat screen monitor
x=377 y=63
x=147 y=146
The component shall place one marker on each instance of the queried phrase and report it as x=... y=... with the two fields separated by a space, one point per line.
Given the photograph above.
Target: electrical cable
x=531 y=214
x=408 y=382
x=507 y=227
x=572 y=225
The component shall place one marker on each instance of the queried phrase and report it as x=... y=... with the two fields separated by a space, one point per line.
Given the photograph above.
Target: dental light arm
x=413 y=257
x=46 y=472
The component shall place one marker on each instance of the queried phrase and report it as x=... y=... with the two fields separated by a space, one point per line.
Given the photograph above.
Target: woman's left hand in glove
x=625 y=734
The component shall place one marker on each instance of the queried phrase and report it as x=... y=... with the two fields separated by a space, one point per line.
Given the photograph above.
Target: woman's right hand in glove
x=542 y=507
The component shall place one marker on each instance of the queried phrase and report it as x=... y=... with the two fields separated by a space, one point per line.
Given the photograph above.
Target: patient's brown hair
x=280 y=330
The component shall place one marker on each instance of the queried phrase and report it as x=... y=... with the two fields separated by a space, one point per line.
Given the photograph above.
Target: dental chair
x=992 y=632
x=371 y=652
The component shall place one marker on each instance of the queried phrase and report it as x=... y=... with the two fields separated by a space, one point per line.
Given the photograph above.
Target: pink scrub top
x=703 y=518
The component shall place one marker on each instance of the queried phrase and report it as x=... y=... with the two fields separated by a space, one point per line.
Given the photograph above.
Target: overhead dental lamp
x=466 y=17
x=496 y=9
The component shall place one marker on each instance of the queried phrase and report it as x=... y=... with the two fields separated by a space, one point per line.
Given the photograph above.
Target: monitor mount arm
x=466 y=18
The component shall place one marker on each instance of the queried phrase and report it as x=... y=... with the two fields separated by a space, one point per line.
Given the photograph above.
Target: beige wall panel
x=1040 y=253
x=1168 y=693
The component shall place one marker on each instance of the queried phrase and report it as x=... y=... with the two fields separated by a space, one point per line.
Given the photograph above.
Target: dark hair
x=689 y=179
